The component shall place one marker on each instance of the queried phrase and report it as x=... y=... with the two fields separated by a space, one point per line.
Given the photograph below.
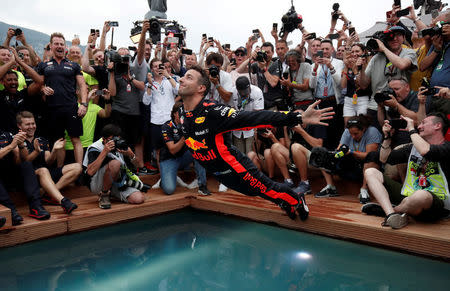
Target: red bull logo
x=195 y=145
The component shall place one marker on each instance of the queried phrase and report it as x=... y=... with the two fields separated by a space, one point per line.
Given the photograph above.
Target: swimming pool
x=192 y=250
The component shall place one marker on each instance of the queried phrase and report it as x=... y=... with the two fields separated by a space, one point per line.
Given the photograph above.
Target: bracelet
x=218 y=85
x=413 y=131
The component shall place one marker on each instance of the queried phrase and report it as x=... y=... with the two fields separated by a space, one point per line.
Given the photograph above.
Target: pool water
x=192 y=250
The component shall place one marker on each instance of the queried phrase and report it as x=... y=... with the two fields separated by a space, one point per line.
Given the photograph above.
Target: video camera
x=384 y=36
x=290 y=21
x=121 y=63
x=17 y=32
x=382 y=96
x=171 y=27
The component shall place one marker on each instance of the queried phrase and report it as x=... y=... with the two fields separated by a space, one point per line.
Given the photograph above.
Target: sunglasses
x=239 y=54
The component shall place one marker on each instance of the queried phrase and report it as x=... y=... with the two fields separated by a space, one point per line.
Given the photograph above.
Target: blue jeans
x=169 y=169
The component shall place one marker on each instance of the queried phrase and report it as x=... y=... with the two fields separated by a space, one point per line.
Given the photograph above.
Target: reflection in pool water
x=192 y=250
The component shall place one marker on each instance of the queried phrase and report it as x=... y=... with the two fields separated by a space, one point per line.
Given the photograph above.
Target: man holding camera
x=106 y=169
x=392 y=60
x=61 y=78
x=126 y=92
x=424 y=194
x=221 y=82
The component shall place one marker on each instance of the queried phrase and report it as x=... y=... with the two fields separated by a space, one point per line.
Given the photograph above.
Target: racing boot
x=290 y=209
x=302 y=208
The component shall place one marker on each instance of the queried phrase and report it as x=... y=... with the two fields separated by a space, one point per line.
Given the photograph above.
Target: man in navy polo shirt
x=61 y=78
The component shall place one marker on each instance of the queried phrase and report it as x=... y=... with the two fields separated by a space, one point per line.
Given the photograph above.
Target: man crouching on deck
x=205 y=125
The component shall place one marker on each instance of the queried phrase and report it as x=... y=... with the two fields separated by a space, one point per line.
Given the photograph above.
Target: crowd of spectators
x=104 y=116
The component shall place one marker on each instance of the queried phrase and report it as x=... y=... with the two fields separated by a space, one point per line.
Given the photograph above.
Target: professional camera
x=120 y=143
x=431 y=91
x=384 y=36
x=335 y=14
x=327 y=160
x=429 y=5
x=138 y=184
x=290 y=20
x=261 y=56
x=17 y=32
x=432 y=31
x=121 y=63
x=382 y=96
x=214 y=71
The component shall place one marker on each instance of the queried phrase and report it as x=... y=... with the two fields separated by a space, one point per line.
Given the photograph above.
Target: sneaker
x=364 y=196
x=157 y=185
x=181 y=182
x=302 y=208
x=68 y=205
x=16 y=219
x=303 y=188
x=289 y=209
x=2 y=221
x=372 y=208
x=203 y=190
x=47 y=200
x=142 y=171
x=150 y=169
x=327 y=192
x=39 y=213
x=193 y=184
x=103 y=200
x=222 y=188
x=396 y=220
x=289 y=183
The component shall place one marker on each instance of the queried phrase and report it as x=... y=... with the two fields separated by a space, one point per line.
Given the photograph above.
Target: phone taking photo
x=319 y=53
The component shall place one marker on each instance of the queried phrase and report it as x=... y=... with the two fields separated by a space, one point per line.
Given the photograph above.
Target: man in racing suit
x=206 y=124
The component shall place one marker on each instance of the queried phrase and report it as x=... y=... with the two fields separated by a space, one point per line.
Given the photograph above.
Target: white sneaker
x=181 y=182
x=193 y=184
x=157 y=185
x=222 y=188
x=364 y=196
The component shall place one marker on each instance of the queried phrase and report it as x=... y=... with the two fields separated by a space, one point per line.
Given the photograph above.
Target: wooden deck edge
x=402 y=240
x=6 y=212
x=393 y=239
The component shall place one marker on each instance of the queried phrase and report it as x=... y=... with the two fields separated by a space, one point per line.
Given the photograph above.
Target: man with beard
x=205 y=124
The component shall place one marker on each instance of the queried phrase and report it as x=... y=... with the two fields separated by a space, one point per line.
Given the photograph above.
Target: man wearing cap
x=392 y=61
x=248 y=98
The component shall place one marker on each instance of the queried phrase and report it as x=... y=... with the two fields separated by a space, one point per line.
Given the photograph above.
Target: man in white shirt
x=160 y=94
x=249 y=98
x=221 y=82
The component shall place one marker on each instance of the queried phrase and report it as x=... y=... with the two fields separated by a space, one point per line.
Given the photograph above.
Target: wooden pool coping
x=338 y=217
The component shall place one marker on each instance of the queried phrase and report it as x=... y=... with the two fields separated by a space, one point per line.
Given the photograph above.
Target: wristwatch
x=413 y=131
x=85 y=104
x=168 y=78
x=218 y=85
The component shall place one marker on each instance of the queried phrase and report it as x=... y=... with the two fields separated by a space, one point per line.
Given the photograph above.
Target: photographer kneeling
x=425 y=193
x=106 y=162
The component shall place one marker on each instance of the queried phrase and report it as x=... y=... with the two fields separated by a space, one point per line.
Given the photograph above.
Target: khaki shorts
x=96 y=186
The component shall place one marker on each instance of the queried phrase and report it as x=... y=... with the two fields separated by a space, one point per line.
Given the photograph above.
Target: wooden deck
x=339 y=217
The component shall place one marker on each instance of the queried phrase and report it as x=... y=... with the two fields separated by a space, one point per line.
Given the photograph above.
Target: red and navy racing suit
x=207 y=134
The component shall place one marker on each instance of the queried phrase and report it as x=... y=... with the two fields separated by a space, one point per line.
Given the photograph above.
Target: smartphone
x=185 y=51
x=351 y=30
x=233 y=61
x=204 y=35
x=285 y=75
x=132 y=48
x=227 y=46
x=92 y=31
x=256 y=33
x=333 y=36
x=398 y=123
x=319 y=53
x=97 y=32
x=402 y=12
x=311 y=35
x=275 y=25
x=91 y=62
x=99 y=92
x=161 y=67
x=114 y=23
x=210 y=39
x=398 y=3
